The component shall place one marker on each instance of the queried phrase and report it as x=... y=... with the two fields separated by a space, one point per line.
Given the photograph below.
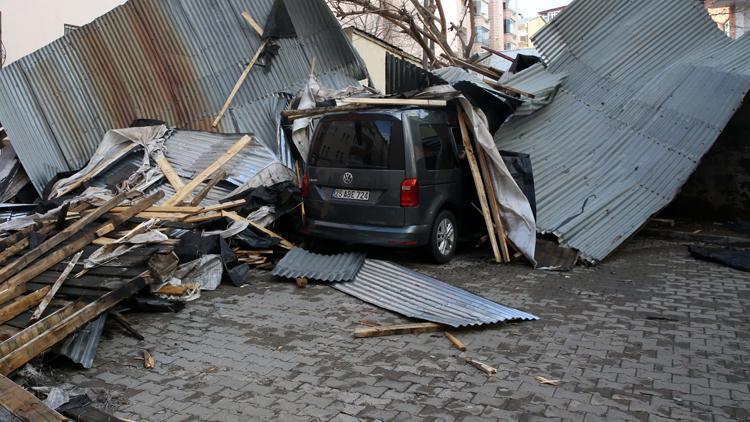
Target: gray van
x=388 y=177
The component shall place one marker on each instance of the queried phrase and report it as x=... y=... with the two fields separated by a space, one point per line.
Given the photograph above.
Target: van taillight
x=305 y=186
x=410 y=193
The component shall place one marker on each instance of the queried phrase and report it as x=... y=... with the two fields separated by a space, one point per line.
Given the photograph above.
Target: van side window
x=437 y=147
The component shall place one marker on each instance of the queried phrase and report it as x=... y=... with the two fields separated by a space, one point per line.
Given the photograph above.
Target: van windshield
x=358 y=143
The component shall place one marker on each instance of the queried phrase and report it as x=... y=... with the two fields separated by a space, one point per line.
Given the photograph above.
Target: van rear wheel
x=444 y=237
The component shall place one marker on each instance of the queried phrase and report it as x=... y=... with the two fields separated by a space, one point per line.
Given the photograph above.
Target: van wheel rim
x=446 y=236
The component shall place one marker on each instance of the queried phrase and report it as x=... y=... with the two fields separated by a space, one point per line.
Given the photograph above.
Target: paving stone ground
x=651 y=334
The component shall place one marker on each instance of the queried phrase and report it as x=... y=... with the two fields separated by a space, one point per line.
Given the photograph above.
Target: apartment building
x=731 y=16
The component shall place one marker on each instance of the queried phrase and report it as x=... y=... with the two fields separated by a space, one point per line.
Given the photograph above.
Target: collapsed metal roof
x=301 y=263
x=172 y=60
x=631 y=122
x=416 y=295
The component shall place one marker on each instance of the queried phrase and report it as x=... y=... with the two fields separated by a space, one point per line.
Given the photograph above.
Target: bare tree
x=424 y=22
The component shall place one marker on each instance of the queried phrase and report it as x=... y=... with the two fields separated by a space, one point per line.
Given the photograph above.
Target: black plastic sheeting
x=192 y=246
x=279 y=23
x=284 y=197
x=523 y=62
x=734 y=258
x=495 y=105
x=519 y=165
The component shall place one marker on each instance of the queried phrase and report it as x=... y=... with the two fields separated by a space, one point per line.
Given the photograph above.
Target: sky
x=529 y=8
x=31 y=24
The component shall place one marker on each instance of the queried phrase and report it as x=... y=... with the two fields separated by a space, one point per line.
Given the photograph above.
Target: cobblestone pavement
x=651 y=334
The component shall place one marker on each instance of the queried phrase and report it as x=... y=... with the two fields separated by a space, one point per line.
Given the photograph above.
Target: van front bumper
x=405 y=236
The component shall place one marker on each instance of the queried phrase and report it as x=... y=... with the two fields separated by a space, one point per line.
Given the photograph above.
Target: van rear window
x=358 y=144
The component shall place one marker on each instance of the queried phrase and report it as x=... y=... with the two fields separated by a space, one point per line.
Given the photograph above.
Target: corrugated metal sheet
x=638 y=111
x=419 y=296
x=171 y=60
x=301 y=263
x=189 y=152
x=80 y=347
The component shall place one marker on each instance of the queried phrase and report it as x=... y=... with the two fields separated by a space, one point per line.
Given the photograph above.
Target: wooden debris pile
x=88 y=257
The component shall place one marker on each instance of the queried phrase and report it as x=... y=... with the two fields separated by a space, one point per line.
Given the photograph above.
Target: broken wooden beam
x=169 y=172
x=300 y=114
x=10 y=293
x=215 y=179
x=24 y=405
x=253 y=23
x=22 y=262
x=80 y=242
x=479 y=185
x=39 y=327
x=497 y=216
x=44 y=341
x=239 y=83
x=55 y=287
x=487 y=369
x=236 y=217
x=211 y=169
x=390 y=330
x=458 y=344
x=21 y=305
x=125 y=324
x=396 y=102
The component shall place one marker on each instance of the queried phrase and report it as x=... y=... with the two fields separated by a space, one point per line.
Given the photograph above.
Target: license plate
x=355 y=195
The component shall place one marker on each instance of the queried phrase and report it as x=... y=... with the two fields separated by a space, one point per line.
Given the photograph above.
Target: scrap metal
x=416 y=295
x=633 y=119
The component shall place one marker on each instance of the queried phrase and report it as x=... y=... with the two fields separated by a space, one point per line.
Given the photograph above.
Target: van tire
x=443 y=237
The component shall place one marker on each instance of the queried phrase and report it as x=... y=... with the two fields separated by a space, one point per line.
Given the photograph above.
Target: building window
x=483 y=35
x=482 y=8
x=728 y=28
x=552 y=15
x=508 y=26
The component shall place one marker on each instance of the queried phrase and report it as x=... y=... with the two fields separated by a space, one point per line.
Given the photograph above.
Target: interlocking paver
x=650 y=334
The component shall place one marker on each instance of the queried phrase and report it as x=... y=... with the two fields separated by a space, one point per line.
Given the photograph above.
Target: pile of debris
x=136 y=229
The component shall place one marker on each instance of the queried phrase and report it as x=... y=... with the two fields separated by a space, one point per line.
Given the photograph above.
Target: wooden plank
x=80 y=242
x=203 y=218
x=458 y=344
x=59 y=332
x=487 y=369
x=389 y=330
x=39 y=327
x=19 y=235
x=508 y=89
x=396 y=102
x=253 y=23
x=497 y=216
x=166 y=210
x=282 y=242
x=10 y=293
x=22 y=244
x=225 y=206
x=300 y=114
x=211 y=169
x=125 y=324
x=22 y=262
x=55 y=287
x=169 y=172
x=21 y=305
x=25 y=405
x=215 y=179
x=474 y=166
x=239 y=83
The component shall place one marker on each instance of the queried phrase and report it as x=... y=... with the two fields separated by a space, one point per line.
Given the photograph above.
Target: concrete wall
x=373 y=54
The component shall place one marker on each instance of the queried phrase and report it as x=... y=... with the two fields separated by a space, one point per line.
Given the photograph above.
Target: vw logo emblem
x=348 y=178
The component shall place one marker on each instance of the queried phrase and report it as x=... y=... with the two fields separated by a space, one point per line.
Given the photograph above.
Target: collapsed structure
x=632 y=119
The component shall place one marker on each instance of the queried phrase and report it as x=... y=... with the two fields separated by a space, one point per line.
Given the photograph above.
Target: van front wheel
x=444 y=237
